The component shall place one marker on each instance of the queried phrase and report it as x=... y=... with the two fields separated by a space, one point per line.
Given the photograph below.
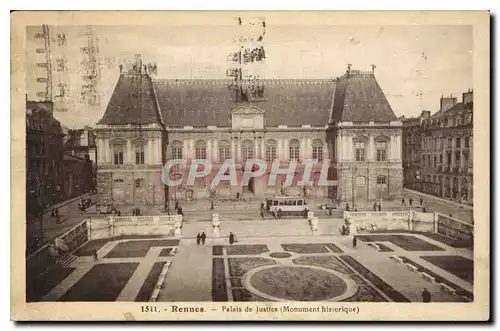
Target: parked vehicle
x=106 y=208
x=287 y=205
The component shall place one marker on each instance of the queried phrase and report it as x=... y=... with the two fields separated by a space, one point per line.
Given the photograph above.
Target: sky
x=415 y=64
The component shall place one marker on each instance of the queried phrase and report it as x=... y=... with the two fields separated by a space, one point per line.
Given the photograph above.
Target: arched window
x=381 y=180
x=294 y=150
x=247 y=150
x=361 y=180
x=224 y=151
x=139 y=183
x=318 y=149
x=270 y=150
x=177 y=150
x=201 y=150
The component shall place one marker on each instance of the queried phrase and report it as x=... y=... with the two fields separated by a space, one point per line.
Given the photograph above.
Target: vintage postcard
x=250 y=166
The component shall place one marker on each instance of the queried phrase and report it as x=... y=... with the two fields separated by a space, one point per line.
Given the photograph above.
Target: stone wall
x=455 y=228
x=132 y=225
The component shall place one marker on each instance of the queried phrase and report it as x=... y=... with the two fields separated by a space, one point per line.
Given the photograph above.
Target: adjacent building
x=347 y=121
x=438 y=150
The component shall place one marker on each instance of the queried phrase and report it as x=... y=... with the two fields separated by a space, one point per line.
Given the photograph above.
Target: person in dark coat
x=262 y=212
x=231 y=238
x=426 y=296
x=421 y=201
x=94 y=255
x=411 y=201
x=198 y=238
x=347 y=207
x=379 y=207
x=354 y=241
x=403 y=201
x=203 y=237
x=375 y=206
x=212 y=205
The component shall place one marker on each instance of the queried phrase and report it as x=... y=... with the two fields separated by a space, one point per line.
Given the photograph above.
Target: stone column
x=238 y=147
x=233 y=149
x=262 y=148
x=149 y=152
x=209 y=149
x=350 y=147
x=158 y=150
x=280 y=150
x=256 y=149
x=308 y=151
x=185 y=150
x=215 y=152
x=99 y=146
x=128 y=158
x=302 y=152
x=285 y=149
x=326 y=153
x=453 y=152
x=107 y=152
x=371 y=150
x=192 y=153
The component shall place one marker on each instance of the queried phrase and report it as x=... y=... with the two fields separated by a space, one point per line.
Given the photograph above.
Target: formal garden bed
x=219 y=288
x=388 y=290
x=452 y=242
x=280 y=255
x=246 y=249
x=240 y=266
x=242 y=294
x=166 y=252
x=88 y=248
x=42 y=285
x=454 y=264
x=384 y=248
x=438 y=279
x=310 y=248
x=298 y=283
x=138 y=248
x=406 y=242
x=103 y=282
x=149 y=284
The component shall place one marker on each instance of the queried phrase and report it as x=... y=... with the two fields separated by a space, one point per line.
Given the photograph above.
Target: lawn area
x=438 y=278
x=435 y=236
x=42 y=285
x=456 y=265
x=406 y=242
x=149 y=284
x=246 y=249
x=166 y=252
x=90 y=246
x=138 y=248
x=305 y=248
x=298 y=283
x=103 y=282
x=240 y=266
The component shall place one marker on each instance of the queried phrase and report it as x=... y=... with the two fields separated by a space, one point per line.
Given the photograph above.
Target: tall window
x=224 y=151
x=61 y=39
x=466 y=142
x=294 y=150
x=318 y=149
x=381 y=147
x=177 y=150
x=435 y=160
x=247 y=150
x=270 y=150
x=441 y=158
x=450 y=142
x=457 y=159
x=61 y=65
x=201 y=150
x=139 y=154
x=458 y=142
x=359 y=147
x=139 y=183
x=118 y=151
x=381 y=180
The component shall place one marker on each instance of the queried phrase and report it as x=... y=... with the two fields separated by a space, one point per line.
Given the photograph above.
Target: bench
x=447 y=288
x=428 y=277
x=397 y=259
x=411 y=267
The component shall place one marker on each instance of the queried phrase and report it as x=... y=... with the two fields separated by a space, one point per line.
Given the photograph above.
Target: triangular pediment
x=247 y=110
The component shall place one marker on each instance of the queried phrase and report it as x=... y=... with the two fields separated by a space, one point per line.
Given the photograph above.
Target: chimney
x=447 y=102
x=467 y=97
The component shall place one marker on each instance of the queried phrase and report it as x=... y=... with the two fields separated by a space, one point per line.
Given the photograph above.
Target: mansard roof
x=359 y=98
x=210 y=102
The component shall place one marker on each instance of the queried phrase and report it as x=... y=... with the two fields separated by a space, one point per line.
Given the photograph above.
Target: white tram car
x=287 y=205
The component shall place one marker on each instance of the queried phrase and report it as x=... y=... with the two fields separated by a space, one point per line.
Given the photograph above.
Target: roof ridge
x=214 y=81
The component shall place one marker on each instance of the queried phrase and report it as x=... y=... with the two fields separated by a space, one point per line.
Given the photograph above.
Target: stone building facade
x=345 y=124
x=443 y=166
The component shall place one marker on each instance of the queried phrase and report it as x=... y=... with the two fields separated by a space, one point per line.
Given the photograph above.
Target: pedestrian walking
x=58 y=219
x=198 y=238
x=403 y=201
x=203 y=237
x=94 y=255
x=347 y=207
x=426 y=295
x=262 y=213
x=231 y=238
x=411 y=202
x=421 y=201
x=379 y=207
x=375 y=206
x=354 y=241
x=211 y=205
